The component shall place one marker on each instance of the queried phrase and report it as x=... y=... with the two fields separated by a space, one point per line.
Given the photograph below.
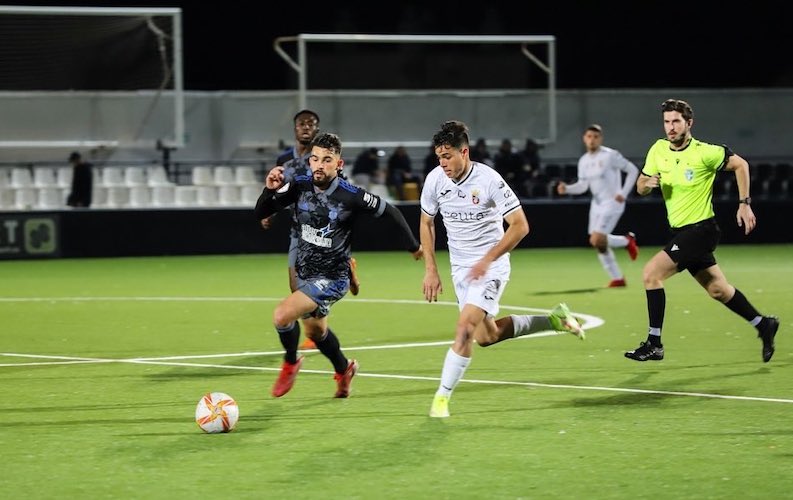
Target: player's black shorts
x=692 y=246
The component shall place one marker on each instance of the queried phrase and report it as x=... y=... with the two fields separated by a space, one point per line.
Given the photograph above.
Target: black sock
x=740 y=306
x=329 y=346
x=656 y=306
x=290 y=336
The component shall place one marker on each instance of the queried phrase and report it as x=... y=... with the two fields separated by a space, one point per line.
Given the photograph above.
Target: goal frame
x=301 y=64
x=178 y=140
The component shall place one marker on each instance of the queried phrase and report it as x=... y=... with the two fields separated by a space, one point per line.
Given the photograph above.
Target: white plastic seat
x=44 y=177
x=229 y=196
x=6 y=198
x=21 y=178
x=223 y=175
x=139 y=197
x=202 y=176
x=49 y=198
x=206 y=196
x=134 y=176
x=250 y=194
x=64 y=176
x=98 y=195
x=381 y=191
x=244 y=174
x=163 y=196
x=112 y=177
x=25 y=198
x=157 y=176
x=5 y=180
x=117 y=197
x=185 y=196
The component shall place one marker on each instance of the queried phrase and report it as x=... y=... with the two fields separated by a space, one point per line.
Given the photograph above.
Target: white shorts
x=485 y=293
x=603 y=218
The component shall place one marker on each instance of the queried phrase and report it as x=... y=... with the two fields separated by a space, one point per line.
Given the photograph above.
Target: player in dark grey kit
x=325 y=208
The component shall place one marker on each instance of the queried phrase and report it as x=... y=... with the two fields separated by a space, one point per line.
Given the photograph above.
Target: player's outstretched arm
x=409 y=241
x=275 y=196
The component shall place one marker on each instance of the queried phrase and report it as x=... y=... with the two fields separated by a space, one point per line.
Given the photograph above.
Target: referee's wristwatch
x=747 y=200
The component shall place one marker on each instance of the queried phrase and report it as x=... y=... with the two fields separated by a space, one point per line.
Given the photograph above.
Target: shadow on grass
x=564 y=292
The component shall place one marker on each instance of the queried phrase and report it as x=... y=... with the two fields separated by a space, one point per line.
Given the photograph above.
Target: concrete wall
x=220 y=126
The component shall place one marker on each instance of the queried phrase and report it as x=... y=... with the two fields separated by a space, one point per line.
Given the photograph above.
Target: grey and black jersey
x=324 y=221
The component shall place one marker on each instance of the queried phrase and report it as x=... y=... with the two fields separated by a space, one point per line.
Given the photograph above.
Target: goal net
x=74 y=77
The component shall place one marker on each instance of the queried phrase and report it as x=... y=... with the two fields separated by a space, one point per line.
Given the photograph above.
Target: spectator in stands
x=479 y=153
x=400 y=172
x=509 y=164
x=600 y=171
x=365 y=168
x=82 y=182
x=430 y=161
x=531 y=165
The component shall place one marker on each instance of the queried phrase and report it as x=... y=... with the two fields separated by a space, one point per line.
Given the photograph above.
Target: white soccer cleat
x=440 y=406
x=563 y=321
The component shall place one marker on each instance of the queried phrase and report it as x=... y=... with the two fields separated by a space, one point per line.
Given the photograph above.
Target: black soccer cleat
x=646 y=352
x=767 y=334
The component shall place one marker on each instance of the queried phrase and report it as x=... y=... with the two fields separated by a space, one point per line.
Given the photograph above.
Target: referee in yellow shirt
x=684 y=168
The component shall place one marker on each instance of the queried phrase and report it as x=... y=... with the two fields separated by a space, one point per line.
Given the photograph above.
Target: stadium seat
x=202 y=176
x=206 y=196
x=98 y=195
x=244 y=174
x=139 y=197
x=6 y=198
x=185 y=196
x=5 y=180
x=25 y=198
x=229 y=196
x=134 y=176
x=64 y=176
x=117 y=197
x=21 y=178
x=157 y=176
x=112 y=177
x=382 y=191
x=223 y=175
x=44 y=177
x=250 y=194
x=49 y=198
x=163 y=196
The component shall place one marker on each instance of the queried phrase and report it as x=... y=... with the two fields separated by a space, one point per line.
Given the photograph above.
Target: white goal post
x=548 y=67
x=173 y=81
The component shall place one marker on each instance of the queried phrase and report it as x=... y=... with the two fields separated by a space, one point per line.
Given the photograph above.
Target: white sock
x=453 y=368
x=609 y=263
x=526 y=325
x=617 y=241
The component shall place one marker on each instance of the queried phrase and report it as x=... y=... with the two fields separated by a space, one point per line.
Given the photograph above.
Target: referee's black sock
x=741 y=306
x=656 y=306
x=290 y=336
x=329 y=346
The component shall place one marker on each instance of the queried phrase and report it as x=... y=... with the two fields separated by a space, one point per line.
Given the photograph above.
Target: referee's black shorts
x=692 y=246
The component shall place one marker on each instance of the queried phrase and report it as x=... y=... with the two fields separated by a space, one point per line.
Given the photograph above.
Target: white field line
x=431 y=379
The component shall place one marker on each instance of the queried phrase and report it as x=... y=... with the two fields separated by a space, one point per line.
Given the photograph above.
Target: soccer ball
x=217 y=412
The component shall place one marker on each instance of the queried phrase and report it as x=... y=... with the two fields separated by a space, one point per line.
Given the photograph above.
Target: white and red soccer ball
x=217 y=412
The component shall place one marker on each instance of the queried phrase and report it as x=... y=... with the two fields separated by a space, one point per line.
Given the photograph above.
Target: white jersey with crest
x=600 y=173
x=472 y=209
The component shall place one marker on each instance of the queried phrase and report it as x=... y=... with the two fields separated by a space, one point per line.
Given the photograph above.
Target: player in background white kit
x=474 y=201
x=600 y=171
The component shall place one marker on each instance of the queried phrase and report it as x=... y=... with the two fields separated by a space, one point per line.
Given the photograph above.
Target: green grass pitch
x=104 y=360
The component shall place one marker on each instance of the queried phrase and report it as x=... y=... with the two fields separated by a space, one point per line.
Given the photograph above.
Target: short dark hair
x=678 y=105
x=74 y=156
x=328 y=141
x=306 y=112
x=594 y=127
x=453 y=133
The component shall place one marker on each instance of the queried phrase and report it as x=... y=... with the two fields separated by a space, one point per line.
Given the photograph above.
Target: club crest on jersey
x=689 y=173
x=475 y=196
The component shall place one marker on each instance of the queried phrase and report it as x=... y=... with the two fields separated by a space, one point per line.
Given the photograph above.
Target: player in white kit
x=600 y=171
x=474 y=201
